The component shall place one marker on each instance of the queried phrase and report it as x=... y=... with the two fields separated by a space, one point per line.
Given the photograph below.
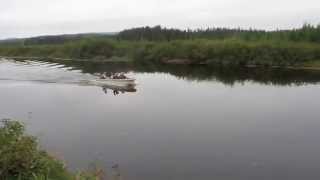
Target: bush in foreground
x=22 y=159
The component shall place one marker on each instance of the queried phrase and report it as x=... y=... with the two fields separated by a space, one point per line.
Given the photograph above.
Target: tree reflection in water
x=228 y=75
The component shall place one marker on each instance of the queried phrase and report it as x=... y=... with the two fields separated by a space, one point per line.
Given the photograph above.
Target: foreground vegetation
x=22 y=159
x=299 y=47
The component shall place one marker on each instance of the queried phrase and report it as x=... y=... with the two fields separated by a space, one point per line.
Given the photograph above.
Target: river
x=179 y=122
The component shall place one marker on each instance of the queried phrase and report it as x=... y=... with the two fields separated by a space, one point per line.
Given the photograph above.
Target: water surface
x=180 y=122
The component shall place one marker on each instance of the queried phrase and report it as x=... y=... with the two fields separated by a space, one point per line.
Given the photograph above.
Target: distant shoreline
x=294 y=49
x=172 y=62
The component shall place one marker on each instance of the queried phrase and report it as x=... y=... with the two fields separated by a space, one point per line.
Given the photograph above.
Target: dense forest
x=61 y=39
x=307 y=33
x=222 y=46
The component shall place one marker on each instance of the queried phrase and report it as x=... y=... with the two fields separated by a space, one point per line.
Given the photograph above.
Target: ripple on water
x=37 y=71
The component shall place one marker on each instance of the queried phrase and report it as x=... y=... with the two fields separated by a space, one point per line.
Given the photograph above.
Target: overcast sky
x=23 y=18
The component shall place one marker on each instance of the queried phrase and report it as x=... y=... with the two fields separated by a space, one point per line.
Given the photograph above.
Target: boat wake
x=41 y=72
x=21 y=72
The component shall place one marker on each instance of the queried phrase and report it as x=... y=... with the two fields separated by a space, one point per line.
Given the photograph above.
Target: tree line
x=307 y=33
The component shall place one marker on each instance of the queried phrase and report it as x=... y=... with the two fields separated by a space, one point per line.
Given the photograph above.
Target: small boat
x=114 y=82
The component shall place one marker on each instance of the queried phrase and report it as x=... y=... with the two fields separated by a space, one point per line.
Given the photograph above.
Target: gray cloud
x=21 y=18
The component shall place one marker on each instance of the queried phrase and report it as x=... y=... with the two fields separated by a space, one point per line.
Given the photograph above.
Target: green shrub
x=21 y=158
x=93 y=49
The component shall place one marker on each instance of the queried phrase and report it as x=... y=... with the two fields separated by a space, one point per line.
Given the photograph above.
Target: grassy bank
x=22 y=159
x=225 y=52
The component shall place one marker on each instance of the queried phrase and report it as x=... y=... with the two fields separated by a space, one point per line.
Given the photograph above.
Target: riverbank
x=302 y=55
x=313 y=66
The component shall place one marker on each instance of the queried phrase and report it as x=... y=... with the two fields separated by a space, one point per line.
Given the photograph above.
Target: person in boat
x=103 y=76
x=122 y=76
x=106 y=75
x=114 y=76
x=119 y=76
